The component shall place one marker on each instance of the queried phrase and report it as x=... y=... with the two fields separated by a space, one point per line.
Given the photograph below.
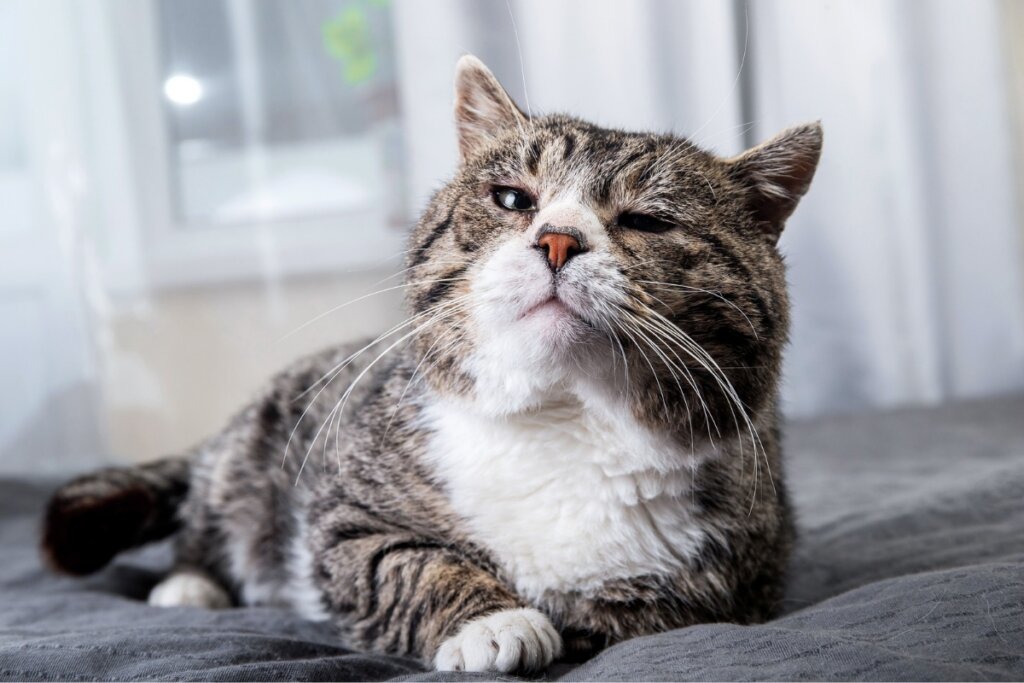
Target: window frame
x=177 y=254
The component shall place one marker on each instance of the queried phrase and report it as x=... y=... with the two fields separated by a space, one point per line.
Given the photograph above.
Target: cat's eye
x=512 y=199
x=643 y=222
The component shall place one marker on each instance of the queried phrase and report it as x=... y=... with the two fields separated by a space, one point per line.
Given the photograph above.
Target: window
x=278 y=111
x=266 y=135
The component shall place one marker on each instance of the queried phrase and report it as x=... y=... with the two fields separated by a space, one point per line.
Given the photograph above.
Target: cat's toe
x=188 y=589
x=521 y=640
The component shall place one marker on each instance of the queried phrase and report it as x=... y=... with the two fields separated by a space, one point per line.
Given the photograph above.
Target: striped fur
x=423 y=492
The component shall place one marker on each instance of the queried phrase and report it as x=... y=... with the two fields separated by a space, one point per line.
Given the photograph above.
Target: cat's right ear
x=482 y=107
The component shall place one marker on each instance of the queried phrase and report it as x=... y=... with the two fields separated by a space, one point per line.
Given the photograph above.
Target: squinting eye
x=513 y=199
x=643 y=223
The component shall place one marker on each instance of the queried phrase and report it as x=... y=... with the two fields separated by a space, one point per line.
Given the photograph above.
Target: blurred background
x=187 y=185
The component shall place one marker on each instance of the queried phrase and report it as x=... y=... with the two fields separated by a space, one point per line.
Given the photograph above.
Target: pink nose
x=560 y=248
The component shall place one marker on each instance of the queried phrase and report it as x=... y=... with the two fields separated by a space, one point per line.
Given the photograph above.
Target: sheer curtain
x=133 y=325
x=906 y=256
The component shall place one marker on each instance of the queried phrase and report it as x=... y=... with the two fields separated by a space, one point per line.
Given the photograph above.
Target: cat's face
x=565 y=258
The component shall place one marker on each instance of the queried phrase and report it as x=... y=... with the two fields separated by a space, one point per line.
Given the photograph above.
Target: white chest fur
x=567 y=497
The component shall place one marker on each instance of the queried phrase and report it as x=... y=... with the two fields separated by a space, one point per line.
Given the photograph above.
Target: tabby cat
x=572 y=440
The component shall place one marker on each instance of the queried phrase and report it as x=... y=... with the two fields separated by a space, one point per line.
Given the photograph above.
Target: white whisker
x=448 y=308
x=717 y=295
x=405 y=285
x=522 y=65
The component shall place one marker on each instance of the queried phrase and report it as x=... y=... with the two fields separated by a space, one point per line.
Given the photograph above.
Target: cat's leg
x=188 y=587
x=404 y=594
x=196 y=580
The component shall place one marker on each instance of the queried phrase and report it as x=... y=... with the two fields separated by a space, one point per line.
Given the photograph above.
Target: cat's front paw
x=522 y=640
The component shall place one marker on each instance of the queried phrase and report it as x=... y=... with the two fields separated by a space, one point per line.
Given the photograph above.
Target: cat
x=573 y=439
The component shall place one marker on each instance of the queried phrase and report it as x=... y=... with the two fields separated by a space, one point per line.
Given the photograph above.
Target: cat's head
x=569 y=259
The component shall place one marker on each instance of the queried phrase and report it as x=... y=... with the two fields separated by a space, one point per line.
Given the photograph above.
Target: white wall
x=175 y=368
x=905 y=258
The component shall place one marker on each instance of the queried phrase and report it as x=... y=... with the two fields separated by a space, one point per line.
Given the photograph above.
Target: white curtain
x=905 y=258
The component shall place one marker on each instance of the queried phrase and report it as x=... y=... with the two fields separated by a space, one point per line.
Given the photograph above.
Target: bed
x=910 y=565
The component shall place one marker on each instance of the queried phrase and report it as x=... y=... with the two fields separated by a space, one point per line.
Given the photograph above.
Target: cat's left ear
x=777 y=173
x=482 y=107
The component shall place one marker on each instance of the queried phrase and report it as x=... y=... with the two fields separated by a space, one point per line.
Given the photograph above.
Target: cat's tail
x=92 y=518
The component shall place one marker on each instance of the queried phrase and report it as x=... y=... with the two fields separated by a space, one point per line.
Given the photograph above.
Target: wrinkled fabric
x=910 y=566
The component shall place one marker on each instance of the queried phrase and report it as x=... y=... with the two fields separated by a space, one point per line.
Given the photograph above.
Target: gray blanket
x=910 y=566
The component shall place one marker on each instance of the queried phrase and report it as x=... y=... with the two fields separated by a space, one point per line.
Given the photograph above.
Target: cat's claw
x=521 y=640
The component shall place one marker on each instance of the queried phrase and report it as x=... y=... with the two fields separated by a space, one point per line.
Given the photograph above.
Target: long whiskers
x=458 y=335
x=446 y=309
x=717 y=295
x=699 y=354
x=644 y=326
x=685 y=369
x=335 y=309
x=673 y=370
x=522 y=65
x=332 y=373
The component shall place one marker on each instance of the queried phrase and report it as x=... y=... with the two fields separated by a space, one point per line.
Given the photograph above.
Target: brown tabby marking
x=628 y=280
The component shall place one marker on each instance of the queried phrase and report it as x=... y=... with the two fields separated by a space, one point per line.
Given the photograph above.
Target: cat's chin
x=553 y=324
x=552 y=309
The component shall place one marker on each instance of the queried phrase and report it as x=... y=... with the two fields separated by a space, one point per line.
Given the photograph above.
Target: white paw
x=510 y=640
x=187 y=589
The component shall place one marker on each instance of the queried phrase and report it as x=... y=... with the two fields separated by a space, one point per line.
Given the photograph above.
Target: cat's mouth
x=550 y=307
x=557 y=317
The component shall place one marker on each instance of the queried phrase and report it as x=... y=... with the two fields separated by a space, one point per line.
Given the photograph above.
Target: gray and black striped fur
x=345 y=513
